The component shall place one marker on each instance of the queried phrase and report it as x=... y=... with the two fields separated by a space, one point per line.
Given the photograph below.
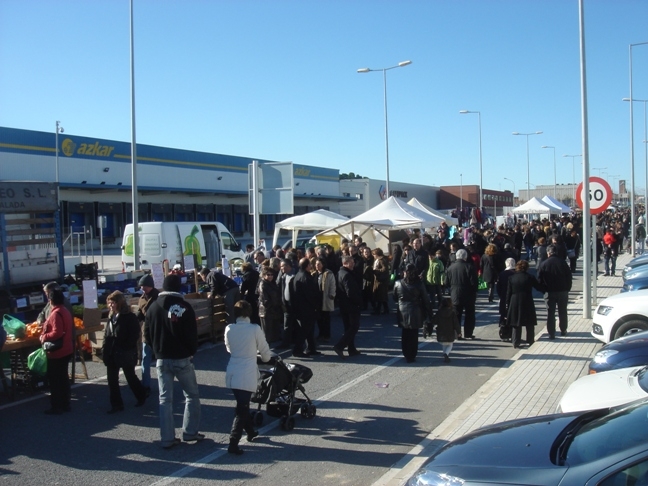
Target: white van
x=159 y=241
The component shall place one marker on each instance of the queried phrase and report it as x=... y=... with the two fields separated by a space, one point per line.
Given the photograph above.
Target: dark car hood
x=500 y=452
x=632 y=341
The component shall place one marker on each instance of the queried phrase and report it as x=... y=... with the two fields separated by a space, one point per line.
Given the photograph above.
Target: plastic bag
x=14 y=326
x=37 y=362
x=482 y=285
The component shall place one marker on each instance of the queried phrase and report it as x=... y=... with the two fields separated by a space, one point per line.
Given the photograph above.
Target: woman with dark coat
x=541 y=251
x=414 y=307
x=573 y=244
x=381 y=273
x=367 y=276
x=502 y=289
x=519 y=301
x=491 y=265
x=120 y=351
x=249 y=284
x=270 y=306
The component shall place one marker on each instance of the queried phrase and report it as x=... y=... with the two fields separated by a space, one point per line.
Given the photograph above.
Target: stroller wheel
x=308 y=410
x=287 y=423
x=257 y=418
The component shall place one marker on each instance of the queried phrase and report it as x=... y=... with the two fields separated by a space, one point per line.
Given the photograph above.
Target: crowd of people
x=285 y=300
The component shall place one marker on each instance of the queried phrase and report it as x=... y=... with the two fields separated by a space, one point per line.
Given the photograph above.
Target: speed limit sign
x=600 y=195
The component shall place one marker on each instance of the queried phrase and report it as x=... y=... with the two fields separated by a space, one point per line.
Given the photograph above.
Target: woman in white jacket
x=243 y=339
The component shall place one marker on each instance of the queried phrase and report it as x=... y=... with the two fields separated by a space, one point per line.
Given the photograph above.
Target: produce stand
x=20 y=349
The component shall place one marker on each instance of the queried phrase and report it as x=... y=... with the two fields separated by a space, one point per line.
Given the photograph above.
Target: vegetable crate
x=210 y=316
x=21 y=377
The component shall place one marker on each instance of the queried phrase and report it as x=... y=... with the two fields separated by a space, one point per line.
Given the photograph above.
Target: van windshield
x=227 y=240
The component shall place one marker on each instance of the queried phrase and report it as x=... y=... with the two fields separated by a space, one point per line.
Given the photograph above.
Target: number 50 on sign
x=600 y=195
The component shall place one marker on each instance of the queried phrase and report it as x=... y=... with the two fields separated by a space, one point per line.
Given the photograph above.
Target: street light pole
x=573 y=178
x=632 y=175
x=384 y=71
x=528 y=161
x=481 y=178
x=554 y=152
x=645 y=143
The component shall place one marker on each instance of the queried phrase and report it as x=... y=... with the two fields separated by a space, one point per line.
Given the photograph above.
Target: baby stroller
x=277 y=390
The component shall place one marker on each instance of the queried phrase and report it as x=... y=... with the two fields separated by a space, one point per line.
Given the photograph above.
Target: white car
x=620 y=315
x=606 y=389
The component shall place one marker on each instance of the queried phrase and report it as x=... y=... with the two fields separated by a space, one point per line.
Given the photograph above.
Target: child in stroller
x=277 y=389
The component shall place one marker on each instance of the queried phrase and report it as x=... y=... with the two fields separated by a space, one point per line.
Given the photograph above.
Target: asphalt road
x=371 y=410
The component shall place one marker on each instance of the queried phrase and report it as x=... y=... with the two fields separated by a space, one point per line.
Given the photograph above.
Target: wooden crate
x=219 y=318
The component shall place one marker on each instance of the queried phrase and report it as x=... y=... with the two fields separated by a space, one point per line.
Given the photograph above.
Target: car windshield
x=610 y=434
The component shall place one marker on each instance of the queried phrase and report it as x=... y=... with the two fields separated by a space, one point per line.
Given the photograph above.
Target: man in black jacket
x=461 y=277
x=305 y=303
x=349 y=293
x=170 y=328
x=556 y=278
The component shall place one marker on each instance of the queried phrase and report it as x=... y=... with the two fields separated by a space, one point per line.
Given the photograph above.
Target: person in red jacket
x=58 y=328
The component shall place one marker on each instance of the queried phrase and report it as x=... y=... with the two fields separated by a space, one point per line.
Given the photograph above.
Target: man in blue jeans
x=170 y=328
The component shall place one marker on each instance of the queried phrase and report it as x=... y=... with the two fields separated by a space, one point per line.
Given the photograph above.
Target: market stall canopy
x=314 y=221
x=374 y=224
x=550 y=201
x=418 y=204
x=536 y=206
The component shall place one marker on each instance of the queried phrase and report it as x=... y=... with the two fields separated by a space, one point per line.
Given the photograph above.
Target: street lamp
x=59 y=129
x=632 y=176
x=384 y=71
x=554 y=152
x=511 y=180
x=645 y=143
x=573 y=177
x=528 y=163
x=481 y=180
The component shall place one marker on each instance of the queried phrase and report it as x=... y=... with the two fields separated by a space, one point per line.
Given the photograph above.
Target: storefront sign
x=21 y=196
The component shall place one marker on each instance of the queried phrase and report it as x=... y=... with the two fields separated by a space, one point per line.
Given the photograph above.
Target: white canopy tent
x=418 y=204
x=550 y=201
x=314 y=221
x=536 y=206
x=373 y=225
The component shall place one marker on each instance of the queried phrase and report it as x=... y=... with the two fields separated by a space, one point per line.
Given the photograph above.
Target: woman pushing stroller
x=243 y=340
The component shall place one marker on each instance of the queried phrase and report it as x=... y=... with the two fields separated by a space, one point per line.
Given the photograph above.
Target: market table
x=21 y=348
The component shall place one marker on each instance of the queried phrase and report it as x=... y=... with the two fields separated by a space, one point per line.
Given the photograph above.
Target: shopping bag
x=37 y=362
x=481 y=284
x=14 y=326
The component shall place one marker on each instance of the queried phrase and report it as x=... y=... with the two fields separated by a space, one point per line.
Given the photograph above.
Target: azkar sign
x=69 y=148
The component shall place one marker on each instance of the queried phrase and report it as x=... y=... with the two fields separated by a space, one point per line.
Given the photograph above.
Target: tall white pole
x=461 y=192
x=588 y=234
x=386 y=133
x=56 y=141
x=136 y=249
x=384 y=71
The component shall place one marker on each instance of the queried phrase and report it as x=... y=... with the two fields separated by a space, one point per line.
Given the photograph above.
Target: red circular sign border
x=608 y=199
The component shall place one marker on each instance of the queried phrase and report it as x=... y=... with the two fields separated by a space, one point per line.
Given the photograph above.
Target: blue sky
x=277 y=80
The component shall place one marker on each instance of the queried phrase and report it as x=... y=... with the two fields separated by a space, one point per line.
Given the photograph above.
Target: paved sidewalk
x=530 y=384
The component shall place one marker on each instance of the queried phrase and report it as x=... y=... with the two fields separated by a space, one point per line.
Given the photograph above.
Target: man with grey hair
x=556 y=278
x=462 y=279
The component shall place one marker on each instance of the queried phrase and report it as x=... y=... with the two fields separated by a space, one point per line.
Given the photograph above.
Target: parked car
x=620 y=315
x=627 y=351
x=604 y=447
x=635 y=263
x=607 y=389
x=635 y=279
